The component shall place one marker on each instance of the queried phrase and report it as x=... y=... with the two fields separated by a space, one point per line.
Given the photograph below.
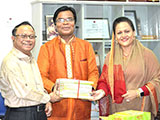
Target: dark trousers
x=1 y=117
x=26 y=113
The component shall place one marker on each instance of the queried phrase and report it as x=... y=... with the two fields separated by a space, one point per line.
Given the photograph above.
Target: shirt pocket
x=84 y=68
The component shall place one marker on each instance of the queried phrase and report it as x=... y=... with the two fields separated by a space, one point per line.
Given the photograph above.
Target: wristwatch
x=141 y=92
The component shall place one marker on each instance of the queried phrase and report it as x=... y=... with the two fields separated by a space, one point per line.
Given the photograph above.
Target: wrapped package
x=129 y=115
x=71 y=88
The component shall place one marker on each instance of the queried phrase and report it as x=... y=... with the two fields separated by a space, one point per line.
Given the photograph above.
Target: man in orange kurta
x=53 y=64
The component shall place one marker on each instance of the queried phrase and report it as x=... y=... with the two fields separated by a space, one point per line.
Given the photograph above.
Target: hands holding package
x=55 y=96
x=95 y=95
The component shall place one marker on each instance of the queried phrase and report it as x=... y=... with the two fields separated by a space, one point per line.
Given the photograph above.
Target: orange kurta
x=52 y=65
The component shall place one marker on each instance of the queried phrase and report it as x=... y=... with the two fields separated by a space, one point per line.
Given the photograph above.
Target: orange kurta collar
x=63 y=41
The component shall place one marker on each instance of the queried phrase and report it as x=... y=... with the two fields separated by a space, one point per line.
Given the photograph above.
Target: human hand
x=48 y=109
x=55 y=96
x=96 y=95
x=130 y=95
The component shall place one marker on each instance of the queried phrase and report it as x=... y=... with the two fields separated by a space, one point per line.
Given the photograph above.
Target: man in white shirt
x=20 y=80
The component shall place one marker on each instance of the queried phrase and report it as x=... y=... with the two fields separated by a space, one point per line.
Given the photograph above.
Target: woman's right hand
x=96 y=95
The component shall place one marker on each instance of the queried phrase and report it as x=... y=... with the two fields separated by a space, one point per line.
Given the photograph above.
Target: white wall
x=12 y=12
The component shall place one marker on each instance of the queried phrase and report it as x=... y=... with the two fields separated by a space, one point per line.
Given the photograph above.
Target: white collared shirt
x=20 y=81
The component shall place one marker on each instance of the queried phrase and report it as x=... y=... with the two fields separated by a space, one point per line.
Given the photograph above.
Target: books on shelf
x=148 y=37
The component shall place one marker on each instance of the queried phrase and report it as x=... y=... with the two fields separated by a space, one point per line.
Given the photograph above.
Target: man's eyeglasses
x=62 y=20
x=26 y=36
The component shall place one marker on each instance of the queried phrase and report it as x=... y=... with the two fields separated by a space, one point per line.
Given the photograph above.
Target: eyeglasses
x=62 y=20
x=26 y=36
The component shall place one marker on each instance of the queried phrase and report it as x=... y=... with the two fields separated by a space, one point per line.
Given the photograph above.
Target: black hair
x=122 y=19
x=16 y=27
x=65 y=8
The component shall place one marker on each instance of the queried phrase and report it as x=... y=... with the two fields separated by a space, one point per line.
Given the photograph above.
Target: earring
x=116 y=41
